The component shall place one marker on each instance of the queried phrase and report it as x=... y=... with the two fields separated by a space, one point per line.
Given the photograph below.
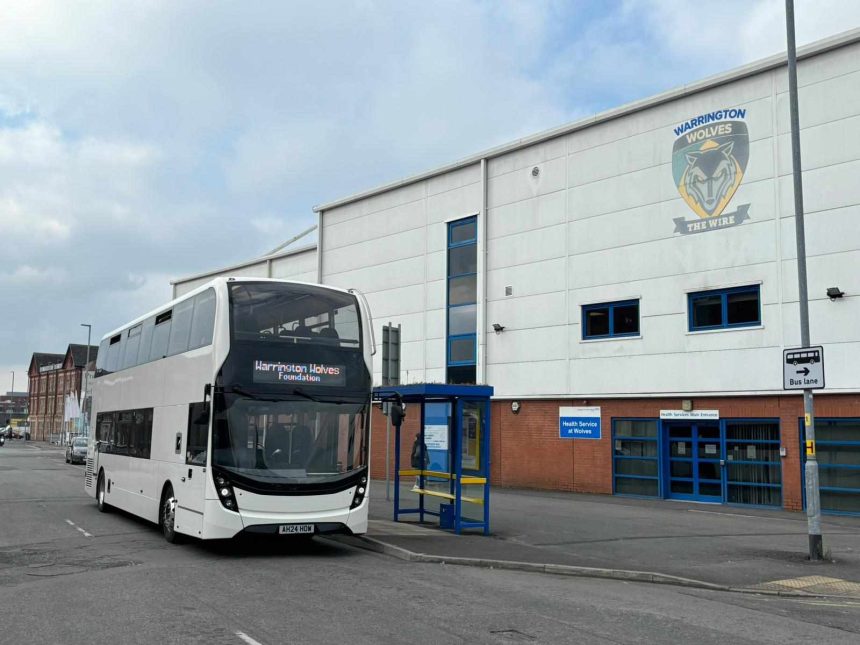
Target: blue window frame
x=724 y=308
x=462 y=300
x=636 y=457
x=610 y=319
x=837 y=448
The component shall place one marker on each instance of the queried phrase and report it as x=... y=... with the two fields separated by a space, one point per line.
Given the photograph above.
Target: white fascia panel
x=523 y=184
x=714 y=371
x=399 y=246
x=823 y=145
x=544 y=378
x=528 y=157
x=527 y=312
x=454 y=204
x=527 y=215
x=528 y=279
x=831 y=231
x=523 y=345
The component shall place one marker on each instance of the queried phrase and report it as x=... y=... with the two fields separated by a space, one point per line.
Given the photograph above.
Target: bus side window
x=104 y=432
x=198 y=433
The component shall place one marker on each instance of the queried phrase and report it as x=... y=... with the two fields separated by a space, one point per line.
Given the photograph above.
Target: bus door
x=191 y=498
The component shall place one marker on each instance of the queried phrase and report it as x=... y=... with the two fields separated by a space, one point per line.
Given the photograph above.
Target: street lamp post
x=813 y=500
x=13 y=381
x=85 y=379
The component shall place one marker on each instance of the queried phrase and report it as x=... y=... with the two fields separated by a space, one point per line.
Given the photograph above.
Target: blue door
x=695 y=461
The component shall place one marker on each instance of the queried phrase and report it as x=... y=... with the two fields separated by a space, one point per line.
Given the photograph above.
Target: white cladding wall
x=393 y=247
x=596 y=225
x=301 y=266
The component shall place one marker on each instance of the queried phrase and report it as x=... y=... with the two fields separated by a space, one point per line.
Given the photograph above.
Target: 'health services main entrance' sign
x=579 y=423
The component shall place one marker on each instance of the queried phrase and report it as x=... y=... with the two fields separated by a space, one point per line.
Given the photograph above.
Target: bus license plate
x=291 y=529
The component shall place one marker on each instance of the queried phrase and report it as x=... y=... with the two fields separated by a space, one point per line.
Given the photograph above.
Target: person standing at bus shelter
x=420 y=459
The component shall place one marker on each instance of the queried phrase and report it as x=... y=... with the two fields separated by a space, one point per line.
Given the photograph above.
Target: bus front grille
x=88 y=477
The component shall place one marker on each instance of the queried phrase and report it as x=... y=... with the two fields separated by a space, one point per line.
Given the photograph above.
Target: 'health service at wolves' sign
x=709 y=159
x=298 y=373
x=579 y=423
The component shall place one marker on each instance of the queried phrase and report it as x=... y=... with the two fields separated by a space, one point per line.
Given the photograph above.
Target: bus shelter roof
x=416 y=392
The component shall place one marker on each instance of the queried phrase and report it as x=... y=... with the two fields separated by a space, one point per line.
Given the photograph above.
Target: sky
x=145 y=141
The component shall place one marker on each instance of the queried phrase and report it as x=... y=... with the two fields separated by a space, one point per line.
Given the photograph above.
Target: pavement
x=699 y=545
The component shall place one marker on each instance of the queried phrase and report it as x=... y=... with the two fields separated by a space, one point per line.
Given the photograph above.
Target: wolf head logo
x=711 y=176
x=708 y=164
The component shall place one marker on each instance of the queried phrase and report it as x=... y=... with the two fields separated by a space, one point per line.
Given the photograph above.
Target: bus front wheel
x=100 y=494
x=167 y=515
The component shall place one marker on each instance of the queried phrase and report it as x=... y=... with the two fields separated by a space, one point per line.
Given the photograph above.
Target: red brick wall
x=526 y=451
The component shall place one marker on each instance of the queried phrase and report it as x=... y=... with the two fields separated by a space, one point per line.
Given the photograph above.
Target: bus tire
x=167 y=515
x=104 y=507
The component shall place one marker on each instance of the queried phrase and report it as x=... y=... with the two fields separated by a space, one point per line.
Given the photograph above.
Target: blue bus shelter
x=454 y=443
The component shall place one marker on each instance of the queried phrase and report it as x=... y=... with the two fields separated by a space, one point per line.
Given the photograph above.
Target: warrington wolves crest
x=709 y=159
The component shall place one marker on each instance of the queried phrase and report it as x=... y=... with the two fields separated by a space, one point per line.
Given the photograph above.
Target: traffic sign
x=803 y=368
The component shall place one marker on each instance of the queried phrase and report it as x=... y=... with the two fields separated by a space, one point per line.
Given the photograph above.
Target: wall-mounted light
x=498 y=328
x=515 y=407
x=834 y=292
x=686 y=405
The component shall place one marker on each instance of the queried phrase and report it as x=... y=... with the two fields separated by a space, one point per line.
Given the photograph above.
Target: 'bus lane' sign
x=803 y=368
x=579 y=423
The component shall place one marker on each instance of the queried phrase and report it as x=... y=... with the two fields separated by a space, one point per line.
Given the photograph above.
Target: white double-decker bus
x=243 y=406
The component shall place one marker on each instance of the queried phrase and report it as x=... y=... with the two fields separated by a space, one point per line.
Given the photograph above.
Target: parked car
x=76 y=452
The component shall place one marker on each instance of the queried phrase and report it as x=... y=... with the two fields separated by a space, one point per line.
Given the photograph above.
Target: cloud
x=143 y=141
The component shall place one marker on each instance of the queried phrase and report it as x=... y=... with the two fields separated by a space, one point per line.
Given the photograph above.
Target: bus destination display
x=309 y=373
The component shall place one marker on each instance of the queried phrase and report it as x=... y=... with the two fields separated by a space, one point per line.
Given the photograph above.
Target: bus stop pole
x=387 y=458
x=396 y=473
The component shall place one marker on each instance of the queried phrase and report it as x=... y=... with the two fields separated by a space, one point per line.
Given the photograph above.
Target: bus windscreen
x=290 y=313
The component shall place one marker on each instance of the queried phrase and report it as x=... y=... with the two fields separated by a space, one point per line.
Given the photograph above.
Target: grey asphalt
x=724 y=545
x=69 y=574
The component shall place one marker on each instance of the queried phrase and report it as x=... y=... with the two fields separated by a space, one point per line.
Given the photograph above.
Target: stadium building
x=628 y=285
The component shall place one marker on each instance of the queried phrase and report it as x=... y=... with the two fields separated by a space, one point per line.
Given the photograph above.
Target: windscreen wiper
x=238 y=389
x=300 y=392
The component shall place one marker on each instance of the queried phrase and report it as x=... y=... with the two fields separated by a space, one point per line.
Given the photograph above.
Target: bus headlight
x=225 y=493
x=360 y=491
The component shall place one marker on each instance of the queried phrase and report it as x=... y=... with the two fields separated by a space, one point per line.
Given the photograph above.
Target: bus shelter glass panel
x=437 y=424
x=837 y=446
x=636 y=457
x=753 y=465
